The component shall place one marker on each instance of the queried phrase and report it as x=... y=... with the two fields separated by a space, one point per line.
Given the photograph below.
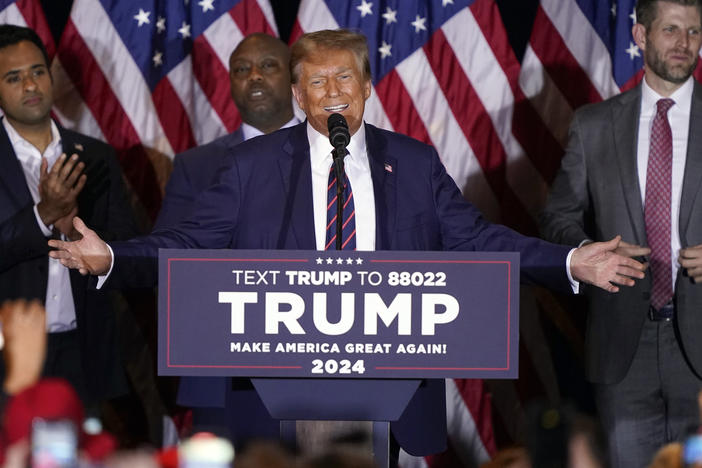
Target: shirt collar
x=682 y=97
x=320 y=148
x=250 y=131
x=17 y=140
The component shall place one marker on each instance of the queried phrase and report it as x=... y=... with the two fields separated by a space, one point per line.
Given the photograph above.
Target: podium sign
x=389 y=314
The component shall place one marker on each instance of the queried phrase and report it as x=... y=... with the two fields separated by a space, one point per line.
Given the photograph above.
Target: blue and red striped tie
x=349 y=216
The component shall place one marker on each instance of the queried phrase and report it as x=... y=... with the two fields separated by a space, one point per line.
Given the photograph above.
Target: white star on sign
x=418 y=24
x=339 y=261
x=390 y=16
x=206 y=5
x=385 y=50
x=349 y=261
x=161 y=24
x=633 y=51
x=157 y=59
x=142 y=17
x=365 y=8
x=184 y=30
x=446 y=2
x=330 y=261
x=319 y=261
x=359 y=261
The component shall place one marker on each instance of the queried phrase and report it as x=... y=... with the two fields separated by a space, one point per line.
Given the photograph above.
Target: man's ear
x=639 y=33
x=367 y=89
x=297 y=94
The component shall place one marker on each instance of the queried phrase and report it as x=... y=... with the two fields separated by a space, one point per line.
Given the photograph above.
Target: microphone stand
x=338 y=155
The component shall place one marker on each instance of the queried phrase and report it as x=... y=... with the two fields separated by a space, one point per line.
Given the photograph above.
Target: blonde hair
x=330 y=39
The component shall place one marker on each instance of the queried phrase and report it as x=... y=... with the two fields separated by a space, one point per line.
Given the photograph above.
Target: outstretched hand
x=599 y=264
x=89 y=255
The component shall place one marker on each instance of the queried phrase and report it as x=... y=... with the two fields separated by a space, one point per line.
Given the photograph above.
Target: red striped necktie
x=348 y=238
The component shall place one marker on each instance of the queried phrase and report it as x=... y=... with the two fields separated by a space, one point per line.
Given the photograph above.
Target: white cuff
x=103 y=278
x=575 y=285
x=47 y=231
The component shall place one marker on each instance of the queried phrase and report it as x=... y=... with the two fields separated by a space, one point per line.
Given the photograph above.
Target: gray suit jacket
x=596 y=196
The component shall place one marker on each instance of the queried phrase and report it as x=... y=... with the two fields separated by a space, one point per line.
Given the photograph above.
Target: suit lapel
x=86 y=198
x=383 y=168
x=693 y=163
x=95 y=169
x=625 y=123
x=68 y=146
x=11 y=173
x=296 y=174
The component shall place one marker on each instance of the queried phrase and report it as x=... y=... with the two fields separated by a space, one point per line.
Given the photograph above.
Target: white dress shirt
x=679 y=120
x=357 y=170
x=60 y=310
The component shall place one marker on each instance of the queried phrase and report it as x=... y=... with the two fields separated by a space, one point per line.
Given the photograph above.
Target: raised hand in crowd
x=24 y=333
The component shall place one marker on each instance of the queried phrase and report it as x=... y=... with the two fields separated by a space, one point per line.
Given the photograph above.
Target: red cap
x=49 y=399
x=52 y=399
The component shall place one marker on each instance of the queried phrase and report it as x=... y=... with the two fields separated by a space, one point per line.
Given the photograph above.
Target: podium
x=341 y=335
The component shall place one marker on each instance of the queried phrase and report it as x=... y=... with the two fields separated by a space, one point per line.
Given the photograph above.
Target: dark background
x=517 y=16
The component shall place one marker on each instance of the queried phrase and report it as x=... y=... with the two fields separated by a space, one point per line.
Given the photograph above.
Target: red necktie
x=657 y=204
x=348 y=239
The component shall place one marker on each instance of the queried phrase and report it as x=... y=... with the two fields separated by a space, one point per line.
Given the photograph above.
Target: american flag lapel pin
x=388 y=167
x=78 y=147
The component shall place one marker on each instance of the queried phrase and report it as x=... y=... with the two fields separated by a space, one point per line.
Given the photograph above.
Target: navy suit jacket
x=193 y=172
x=262 y=199
x=24 y=261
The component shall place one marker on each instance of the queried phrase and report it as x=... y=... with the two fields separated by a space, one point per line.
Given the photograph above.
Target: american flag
x=579 y=52
x=28 y=13
x=151 y=77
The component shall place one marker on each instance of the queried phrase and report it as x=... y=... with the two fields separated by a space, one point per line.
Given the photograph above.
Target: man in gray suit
x=633 y=167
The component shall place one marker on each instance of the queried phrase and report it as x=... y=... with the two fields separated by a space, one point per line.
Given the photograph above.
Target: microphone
x=339 y=137
x=338 y=131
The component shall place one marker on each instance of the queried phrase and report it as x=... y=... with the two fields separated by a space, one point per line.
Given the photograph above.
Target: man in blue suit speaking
x=272 y=193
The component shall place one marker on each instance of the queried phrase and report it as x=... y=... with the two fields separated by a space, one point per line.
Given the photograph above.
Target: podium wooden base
x=313 y=437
